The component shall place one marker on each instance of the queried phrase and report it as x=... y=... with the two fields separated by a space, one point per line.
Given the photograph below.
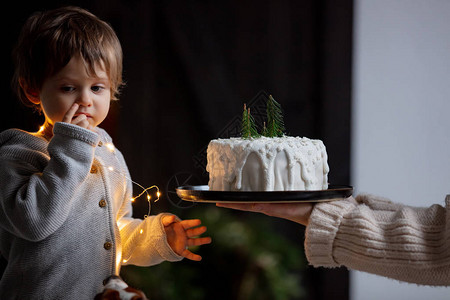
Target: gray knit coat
x=66 y=217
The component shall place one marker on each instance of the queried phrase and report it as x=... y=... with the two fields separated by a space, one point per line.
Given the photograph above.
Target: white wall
x=401 y=116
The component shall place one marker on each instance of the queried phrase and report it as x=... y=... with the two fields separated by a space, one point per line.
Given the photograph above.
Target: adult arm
x=374 y=235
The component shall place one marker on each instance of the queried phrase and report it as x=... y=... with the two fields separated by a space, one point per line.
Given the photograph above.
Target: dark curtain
x=189 y=67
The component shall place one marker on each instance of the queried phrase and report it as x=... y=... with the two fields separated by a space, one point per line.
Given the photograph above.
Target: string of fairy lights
x=145 y=190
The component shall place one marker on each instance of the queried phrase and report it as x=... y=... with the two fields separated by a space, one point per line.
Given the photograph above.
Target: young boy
x=65 y=192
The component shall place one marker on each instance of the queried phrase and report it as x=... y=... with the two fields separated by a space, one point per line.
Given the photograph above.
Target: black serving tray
x=201 y=193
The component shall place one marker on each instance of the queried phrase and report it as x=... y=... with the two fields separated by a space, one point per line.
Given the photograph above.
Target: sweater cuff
x=321 y=231
x=164 y=248
x=76 y=132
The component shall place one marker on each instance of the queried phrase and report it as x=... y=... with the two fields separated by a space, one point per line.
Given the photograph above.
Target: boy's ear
x=32 y=94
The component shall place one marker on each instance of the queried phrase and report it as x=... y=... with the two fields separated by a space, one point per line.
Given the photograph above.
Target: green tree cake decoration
x=274 y=127
x=275 y=123
x=248 y=128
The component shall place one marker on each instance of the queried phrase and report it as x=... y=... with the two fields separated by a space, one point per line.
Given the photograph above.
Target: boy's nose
x=84 y=99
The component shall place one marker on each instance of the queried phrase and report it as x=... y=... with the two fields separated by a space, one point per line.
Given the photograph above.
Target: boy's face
x=73 y=84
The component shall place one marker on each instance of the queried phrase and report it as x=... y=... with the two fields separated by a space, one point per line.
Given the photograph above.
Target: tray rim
x=202 y=194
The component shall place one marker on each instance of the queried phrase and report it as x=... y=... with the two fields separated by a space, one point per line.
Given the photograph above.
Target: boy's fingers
x=78 y=119
x=190 y=223
x=199 y=241
x=167 y=220
x=70 y=113
x=196 y=231
x=189 y=255
x=81 y=121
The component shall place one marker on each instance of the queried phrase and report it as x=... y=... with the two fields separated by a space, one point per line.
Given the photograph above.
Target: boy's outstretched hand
x=184 y=234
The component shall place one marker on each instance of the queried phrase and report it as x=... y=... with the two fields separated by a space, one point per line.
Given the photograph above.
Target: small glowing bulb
x=158 y=194
x=124 y=261
x=41 y=129
x=148 y=197
x=132 y=199
x=142 y=231
x=110 y=146
x=111 y=168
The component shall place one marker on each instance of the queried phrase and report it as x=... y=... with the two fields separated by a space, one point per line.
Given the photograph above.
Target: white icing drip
x=228 y=160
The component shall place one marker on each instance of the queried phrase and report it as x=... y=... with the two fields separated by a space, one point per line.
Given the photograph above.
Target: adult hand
x=296 y=212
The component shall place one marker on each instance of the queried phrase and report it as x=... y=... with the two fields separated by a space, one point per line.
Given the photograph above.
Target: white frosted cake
x=267 y=164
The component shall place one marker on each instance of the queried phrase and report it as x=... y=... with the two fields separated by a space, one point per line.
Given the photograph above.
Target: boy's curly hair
x=50 y=39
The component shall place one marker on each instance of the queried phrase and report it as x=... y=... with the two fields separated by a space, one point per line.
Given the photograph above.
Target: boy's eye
x=97 y=88
x=67 y=88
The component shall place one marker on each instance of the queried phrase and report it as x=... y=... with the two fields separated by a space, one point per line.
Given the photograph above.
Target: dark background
x=189 y=67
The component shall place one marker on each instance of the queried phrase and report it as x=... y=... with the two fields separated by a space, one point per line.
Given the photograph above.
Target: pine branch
x=248 y=127
x=253 y=129
x=264 y=131
x=275 y=123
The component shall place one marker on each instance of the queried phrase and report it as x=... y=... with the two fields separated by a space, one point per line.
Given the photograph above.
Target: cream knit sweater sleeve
x=143 y=242
x=377 y=236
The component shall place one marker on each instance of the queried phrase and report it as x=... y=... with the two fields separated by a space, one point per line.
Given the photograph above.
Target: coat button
x=102 y=203
x=100 y=143
x=93 y=169
x=107 y=245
